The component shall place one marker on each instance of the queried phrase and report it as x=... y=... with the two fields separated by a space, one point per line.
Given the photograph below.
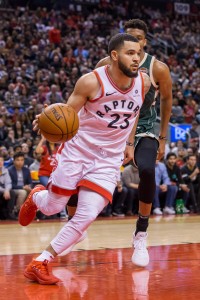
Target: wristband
x=129 y=144
x=162 y=137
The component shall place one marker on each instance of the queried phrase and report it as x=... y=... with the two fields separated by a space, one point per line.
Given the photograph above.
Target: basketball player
x=147 y=145
x=109 y=100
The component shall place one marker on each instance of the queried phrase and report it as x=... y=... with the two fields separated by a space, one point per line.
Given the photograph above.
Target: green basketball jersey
x=148 y=114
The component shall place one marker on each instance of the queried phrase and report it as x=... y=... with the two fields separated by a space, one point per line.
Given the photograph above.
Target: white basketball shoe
x=68 y=250
x=140 y=255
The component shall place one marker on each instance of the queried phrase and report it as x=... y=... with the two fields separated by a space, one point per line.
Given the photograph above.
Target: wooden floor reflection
x=108 y=274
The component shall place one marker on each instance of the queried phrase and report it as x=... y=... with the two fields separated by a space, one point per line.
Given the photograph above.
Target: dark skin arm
x=162 y=77
x=103 y=62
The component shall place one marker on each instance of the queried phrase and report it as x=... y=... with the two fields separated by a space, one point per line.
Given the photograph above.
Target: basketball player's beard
x=126 y=70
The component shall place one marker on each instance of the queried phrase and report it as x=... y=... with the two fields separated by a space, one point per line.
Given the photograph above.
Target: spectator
x=54 y=96
x=48 y=153
x=7 y=195
x=130 y=179
x=27 y=159
x=190 y=173
x=11 y=95
x=176 y=179
x=8 y=160
x=21 y=179
x=3 y=132
x=34 y=168
x=194 y=135
x=190 y=110
x=10 y=141
x=18 y=130
x=177 y=112
x=179 y=145
x=164 y=186
x=181 y=157
x=119 y=197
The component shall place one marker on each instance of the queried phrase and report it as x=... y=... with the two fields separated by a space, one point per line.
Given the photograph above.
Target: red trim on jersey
x=102 y=87
x=60 y=148
x=143 y=94
x=114 y=85
x=64 y=192
x=95 y=187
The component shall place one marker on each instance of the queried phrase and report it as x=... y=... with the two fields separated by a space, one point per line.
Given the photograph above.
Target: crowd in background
x=43 y=53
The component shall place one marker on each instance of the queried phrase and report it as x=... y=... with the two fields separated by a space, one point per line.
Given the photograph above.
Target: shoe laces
x=29 y=208
x=42 y=267
x=140 y=243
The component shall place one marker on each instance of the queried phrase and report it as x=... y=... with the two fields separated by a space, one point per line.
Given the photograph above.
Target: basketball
x=58 y=123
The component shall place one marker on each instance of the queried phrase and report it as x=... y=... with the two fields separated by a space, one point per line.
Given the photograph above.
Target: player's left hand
x=35 y=122
x=128 y=154
x=161 y=149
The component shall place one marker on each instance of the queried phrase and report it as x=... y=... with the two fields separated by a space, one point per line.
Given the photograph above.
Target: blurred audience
x=166 y=188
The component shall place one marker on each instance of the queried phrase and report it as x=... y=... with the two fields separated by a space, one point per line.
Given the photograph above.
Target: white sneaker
x=140 y=255
x=157 y=211
x=185 y=210
x=168 y=210
x=172 y=208
x=68 y=250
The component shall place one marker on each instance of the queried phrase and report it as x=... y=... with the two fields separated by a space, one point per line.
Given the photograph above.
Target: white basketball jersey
x=107 y=120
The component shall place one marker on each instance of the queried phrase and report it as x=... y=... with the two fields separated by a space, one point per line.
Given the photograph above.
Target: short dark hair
x=171 y=154
x=17 y=146
x=18 y=154
x=136 y=24
x=117 y=41
x=191 y=155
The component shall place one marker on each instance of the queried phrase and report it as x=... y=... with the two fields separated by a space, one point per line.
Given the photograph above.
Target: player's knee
x=81 y=221
x=147 y=174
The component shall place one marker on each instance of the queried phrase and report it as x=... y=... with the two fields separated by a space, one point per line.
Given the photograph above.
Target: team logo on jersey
x=144 y=70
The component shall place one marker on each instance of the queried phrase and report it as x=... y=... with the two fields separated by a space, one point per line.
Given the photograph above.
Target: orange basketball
x=58 y=123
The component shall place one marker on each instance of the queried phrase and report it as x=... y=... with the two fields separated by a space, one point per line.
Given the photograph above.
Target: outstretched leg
x=90 y=204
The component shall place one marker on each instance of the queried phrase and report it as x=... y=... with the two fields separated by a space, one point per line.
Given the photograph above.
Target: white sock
x=45 y=255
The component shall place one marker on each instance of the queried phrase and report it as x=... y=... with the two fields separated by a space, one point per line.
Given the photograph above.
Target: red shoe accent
x=28 y=210
x=39 y=271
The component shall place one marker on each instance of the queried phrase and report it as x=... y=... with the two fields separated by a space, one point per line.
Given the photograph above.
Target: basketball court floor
x=100 y=267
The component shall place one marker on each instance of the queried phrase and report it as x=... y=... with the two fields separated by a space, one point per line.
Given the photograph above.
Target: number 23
x=116 y=119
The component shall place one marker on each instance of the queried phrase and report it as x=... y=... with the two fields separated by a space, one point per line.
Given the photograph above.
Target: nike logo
x=109 y=94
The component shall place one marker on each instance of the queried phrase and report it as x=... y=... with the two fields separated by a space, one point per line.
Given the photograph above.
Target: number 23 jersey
x=107 y=120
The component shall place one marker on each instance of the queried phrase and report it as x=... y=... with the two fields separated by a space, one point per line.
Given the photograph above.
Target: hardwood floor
x=101 y=269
